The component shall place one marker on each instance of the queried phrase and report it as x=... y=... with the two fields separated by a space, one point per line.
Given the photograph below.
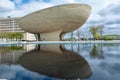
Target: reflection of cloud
x=112 y=69
x=107 y=68
x=16 y=72
x=6 y=72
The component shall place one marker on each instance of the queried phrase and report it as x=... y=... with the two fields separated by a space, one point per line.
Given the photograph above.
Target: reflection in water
x=19 y=63
x=5 y=49
x=55 y=61
x=97 y=52
x=8 y=53
x=94 y=52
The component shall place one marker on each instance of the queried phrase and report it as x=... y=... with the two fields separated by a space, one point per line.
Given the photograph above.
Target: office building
x=11 y=25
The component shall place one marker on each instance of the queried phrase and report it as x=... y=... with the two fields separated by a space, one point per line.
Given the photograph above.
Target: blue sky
x=104 y=12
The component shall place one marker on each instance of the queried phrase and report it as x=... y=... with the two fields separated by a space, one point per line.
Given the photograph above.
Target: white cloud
x=111 y=17
x=26 y=9
x=14 y=13
x=99 y=5
x=6 y=5
x=32 y=6
x=71 y=1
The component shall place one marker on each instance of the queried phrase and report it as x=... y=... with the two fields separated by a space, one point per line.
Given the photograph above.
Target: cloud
x=25 y=9
x=111 y=9
x=18 y=2
x=111 y=22
x=6 y=5
x=34 y=6
x=111 y=14
x=46 y=0
x=21 y=8
x=70 y=1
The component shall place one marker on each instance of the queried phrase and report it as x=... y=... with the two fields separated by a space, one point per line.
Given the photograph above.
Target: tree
x=18 y=35
x=97 y=36
x=11 y=36
x=1 y=36
x=94 y=31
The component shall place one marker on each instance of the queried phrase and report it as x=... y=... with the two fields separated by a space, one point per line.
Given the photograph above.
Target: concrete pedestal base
x=50 y=36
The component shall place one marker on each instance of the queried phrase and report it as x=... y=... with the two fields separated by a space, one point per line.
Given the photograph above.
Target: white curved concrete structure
x=52 y=23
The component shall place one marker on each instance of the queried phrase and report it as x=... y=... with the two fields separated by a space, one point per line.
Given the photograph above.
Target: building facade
x=11 y=25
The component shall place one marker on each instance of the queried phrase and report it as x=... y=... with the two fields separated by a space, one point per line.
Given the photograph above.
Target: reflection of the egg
x=55 y=61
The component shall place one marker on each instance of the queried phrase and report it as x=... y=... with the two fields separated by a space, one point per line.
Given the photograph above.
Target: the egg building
x=51 y=24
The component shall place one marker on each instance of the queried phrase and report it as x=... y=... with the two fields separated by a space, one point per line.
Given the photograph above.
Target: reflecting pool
x=60 y=62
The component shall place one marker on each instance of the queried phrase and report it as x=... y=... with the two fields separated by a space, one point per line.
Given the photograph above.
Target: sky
x=104 y=12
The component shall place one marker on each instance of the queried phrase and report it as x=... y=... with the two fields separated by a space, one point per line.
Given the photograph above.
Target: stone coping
x=62 y=42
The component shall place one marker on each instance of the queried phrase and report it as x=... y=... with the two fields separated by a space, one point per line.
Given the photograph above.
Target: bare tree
x=101 y=30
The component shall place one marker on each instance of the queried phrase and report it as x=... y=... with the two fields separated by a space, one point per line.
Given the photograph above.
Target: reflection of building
x=10 y=54
x=11 y=25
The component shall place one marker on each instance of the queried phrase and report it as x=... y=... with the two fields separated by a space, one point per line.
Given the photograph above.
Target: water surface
x=60 y=62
